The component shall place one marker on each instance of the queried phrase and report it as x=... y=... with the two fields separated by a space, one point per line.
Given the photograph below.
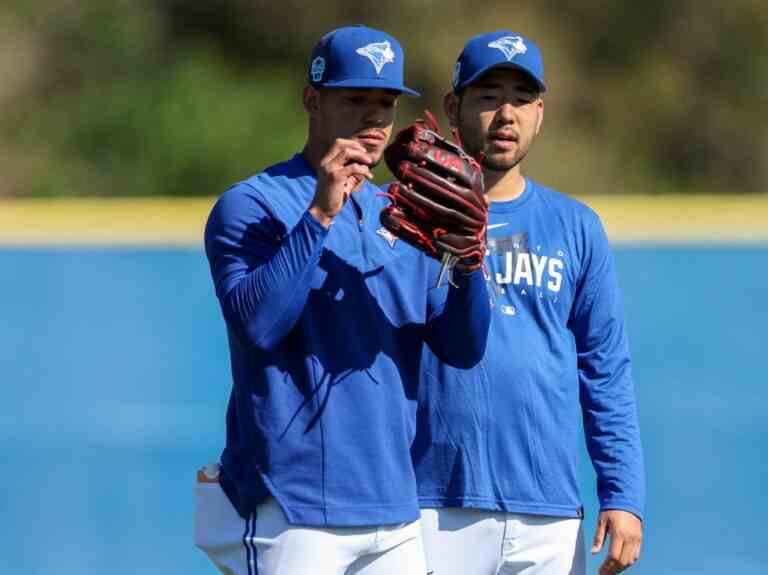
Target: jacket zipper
x=361 y=229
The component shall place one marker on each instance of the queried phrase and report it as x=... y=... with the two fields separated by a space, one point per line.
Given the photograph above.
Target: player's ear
x=311 y=100
x=451 y=108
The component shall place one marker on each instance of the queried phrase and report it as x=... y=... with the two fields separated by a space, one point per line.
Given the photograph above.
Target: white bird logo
x=510 y=45
x=379 y=53
x=387 y=235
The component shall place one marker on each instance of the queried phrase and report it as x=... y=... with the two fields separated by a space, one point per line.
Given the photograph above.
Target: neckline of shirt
x=514 y=205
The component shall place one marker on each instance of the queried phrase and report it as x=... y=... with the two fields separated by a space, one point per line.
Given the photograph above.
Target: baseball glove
x=437 y=204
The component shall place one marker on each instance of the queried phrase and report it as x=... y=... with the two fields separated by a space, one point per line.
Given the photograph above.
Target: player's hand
x=342 y=171
x=626 y=536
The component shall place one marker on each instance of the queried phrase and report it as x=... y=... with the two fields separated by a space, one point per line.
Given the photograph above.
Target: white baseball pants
x=477 y=542
x=266 y=544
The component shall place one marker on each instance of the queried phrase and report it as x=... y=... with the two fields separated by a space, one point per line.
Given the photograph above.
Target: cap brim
x=472 y=79
x=371 y=84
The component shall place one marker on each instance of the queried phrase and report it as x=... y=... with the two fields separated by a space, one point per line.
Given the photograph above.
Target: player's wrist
x=322 y=217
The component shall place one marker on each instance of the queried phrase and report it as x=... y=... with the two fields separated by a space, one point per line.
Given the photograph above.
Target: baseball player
x=495 y=451
x=326 y=317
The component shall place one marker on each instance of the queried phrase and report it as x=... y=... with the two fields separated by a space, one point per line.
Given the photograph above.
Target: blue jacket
x=326 y=330
x=504 y=435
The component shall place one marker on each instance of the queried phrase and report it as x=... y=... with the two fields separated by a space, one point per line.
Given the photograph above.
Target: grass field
x=178 y=222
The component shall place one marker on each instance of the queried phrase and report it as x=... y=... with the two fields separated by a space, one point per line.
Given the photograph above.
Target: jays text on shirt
x=504 y=435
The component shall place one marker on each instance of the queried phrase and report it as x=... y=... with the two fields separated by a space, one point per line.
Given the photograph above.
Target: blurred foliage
x=183 y=97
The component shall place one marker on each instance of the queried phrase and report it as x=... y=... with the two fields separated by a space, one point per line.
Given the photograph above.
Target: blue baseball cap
x=358 y=57
x=501 y=49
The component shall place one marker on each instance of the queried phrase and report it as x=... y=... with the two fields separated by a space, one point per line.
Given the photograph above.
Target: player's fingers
x=333 y=158
x=340 y=144
x=357 y=184
x=599 y=538
x=338 y=167
x=355 y=170
x=613 y=560
x=638 y=547
x=609 y=567
x=354 y=175
x=349 y=156
x=617 y=545
x=348 y=177
x=631 y=551
x=344 y=152
x=628 y=555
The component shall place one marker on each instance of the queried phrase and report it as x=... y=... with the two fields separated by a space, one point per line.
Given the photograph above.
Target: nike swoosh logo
x=492 y=226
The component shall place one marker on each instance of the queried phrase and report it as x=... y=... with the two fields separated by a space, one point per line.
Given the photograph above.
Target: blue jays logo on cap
x=498 y=49
x=510 y=45
x=379 y=53
x=358 y=57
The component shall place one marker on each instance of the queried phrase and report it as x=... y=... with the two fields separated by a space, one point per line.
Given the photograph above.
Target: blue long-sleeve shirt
x=504 y=435
x=326 y=329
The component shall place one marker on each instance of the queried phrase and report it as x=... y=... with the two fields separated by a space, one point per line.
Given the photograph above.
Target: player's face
x=365 y=115
x=499 y=115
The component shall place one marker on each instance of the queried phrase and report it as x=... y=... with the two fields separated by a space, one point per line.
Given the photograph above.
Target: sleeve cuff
x=314 y=224
x=622 y=506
